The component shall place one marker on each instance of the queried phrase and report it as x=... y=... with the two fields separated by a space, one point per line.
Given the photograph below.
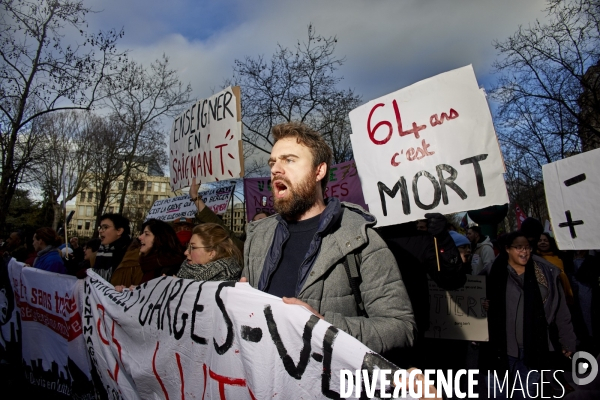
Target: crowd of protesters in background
x=543 y=304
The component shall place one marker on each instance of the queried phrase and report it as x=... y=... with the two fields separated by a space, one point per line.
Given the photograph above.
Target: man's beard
x=301 y=199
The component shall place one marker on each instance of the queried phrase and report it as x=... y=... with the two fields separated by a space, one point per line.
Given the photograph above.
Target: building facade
x=239 y=218
x=145 y=187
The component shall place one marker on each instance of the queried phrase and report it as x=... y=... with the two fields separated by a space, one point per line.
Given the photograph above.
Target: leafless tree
x=40 y=73
x=140 y=99
x=109 y=146
x=297 y=84
x=64 y=157
x=548 y=95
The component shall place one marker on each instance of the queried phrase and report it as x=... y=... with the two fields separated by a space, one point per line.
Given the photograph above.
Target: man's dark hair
x=532 y=228
x=306 y=136
x=119 y=221
x=476 y=229
x=93 y=244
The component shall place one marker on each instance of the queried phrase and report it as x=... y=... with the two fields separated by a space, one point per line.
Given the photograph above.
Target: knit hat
x=459 y=240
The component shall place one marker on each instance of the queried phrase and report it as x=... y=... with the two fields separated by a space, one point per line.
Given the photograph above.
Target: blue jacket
x=51 y=261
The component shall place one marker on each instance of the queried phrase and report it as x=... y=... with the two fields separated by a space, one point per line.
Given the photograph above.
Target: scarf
x=109 y=256
x=535 y=325
x=223 y=269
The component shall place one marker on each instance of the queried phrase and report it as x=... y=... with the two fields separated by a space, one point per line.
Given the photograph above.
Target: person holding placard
x=323 y=254
x=205 y=214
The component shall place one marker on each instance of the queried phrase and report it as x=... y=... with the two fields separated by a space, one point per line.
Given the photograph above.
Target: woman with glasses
x=211 y=255
x=526 y=300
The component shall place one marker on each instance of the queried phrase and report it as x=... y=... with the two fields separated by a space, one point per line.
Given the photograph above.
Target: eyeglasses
x=190 y=248
x=521 y=248
x=104 y=227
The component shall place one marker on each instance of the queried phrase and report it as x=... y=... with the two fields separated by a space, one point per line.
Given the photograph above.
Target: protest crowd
x=372 y=283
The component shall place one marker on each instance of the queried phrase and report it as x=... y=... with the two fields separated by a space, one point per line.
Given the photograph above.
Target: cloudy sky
x=388 y=44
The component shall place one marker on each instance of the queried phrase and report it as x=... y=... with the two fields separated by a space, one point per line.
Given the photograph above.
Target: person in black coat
x=415 y=253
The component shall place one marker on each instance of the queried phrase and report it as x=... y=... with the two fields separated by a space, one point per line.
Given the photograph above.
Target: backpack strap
x=351 y=266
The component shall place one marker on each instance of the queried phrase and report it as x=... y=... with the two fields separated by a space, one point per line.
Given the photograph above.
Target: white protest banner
x=458 y=314
x=53 y=350
x=206 y=140
x=182 y=206
x=177 y=338
x=572 y=190
x=430 y=147
x=10 y=348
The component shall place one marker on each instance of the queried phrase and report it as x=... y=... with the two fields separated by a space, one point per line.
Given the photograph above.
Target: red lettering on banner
x=224 y=380
x=180 y=376
x=156 y=373
x=114 y=376
x=64 y=305
x=68 y=329
x=39 y=297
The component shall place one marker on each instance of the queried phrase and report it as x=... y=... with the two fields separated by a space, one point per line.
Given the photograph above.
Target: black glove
x=436 y=223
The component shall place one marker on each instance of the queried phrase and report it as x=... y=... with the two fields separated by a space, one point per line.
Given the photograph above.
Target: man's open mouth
x=280 y=189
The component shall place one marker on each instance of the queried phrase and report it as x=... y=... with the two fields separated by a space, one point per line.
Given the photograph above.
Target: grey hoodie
x=483 y=257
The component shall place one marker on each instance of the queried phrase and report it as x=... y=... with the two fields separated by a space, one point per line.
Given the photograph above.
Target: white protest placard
x=572 y=190
x=458 y=314
x=217 y=199
x=172 y=208
x=430 y=147
x=183 y=207
x=53 y=350
x=177 y=338
x=206 y=140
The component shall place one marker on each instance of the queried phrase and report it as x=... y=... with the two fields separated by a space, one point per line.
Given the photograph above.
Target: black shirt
x=285 y=278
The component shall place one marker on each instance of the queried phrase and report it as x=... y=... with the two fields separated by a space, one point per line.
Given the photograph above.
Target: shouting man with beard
x=299 y=253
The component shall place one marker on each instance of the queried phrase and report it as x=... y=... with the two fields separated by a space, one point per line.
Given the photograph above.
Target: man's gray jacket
x=343 y=228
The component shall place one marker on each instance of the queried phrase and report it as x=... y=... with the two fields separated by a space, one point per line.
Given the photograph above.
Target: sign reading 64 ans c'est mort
x=430 y=147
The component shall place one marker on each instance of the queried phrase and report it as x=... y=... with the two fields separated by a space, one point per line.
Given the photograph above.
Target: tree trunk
x=57 y=214
x=126 y=178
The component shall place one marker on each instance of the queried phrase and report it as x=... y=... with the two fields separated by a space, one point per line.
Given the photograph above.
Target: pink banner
x=343 y=184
